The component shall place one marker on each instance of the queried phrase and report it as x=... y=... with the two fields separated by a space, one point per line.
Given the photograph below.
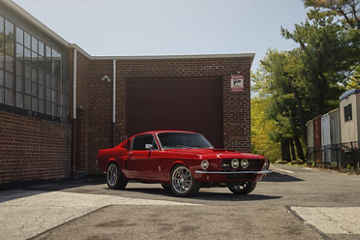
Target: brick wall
x=31 y=148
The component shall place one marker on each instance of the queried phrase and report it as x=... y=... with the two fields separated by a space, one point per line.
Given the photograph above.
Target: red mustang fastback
x=182 y=162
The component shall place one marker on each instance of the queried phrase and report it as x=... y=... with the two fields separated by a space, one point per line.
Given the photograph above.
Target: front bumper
x=229 y=176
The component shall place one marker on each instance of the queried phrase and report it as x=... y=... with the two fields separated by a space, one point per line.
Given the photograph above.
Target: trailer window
x=348 y=112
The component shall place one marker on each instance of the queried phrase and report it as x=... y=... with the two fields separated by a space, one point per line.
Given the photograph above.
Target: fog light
x=244 y=163
x=266 y=165
x=234 y=163
x=205 y=164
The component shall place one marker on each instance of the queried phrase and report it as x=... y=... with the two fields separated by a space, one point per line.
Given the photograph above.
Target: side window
x=143 y=142
x=348 y=112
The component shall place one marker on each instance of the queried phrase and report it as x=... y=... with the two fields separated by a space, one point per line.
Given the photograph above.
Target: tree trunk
x=293 y=155
x=299 y=149
x=285 y=151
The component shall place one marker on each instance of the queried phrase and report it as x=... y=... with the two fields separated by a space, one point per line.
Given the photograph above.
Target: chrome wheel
x=182 y=182
x=112 y=175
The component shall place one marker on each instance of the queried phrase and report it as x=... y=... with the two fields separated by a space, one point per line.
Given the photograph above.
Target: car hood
x=212 y=153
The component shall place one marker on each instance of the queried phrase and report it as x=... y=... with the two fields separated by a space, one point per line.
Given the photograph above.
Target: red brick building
x=59 y=105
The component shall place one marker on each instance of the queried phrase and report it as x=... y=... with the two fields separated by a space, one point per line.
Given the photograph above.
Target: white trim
x=74 y=83
x=114 y=90
x=199 y=56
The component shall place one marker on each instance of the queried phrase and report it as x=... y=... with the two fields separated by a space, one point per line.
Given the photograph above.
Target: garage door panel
x=193 y=104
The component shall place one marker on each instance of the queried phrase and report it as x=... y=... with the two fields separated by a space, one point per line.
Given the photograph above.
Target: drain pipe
x=74 y=123
x=114 y=102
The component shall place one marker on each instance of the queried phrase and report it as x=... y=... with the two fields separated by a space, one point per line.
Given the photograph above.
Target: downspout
x=114 y=102
x=74 y=123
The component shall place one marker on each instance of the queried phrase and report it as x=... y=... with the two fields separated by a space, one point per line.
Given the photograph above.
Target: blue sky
x=157 y=27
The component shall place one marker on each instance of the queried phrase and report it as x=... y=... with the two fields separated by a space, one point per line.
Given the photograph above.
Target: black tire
x=166 y=187
x=242 y=188
x=114 y=177
x=182 y=182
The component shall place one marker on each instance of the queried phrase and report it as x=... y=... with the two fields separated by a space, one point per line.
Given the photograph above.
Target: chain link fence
x=344 y=156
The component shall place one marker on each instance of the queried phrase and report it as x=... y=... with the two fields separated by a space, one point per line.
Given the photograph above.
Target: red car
x=182 y=162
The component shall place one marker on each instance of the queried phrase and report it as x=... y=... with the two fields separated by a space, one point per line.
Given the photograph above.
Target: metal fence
x=337 y=156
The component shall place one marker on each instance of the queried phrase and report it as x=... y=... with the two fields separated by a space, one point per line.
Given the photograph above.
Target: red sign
x=237 y=83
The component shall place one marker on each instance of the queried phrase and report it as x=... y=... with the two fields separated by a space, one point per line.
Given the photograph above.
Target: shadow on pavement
x=279 y=177
x=213 y=196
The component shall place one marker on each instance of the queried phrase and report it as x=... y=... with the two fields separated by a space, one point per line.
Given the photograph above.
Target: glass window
x=143 y=142
x=348 y=112
x=27 y=102
x=19 y=84
x=28 y=86
x=27 y=55
x=41 y=106
x=10 y=46
x=41 y=48
x=48 y=108
x=9 y=63
x=9 y=97
x=1 y=24
x=9 y=29
x=2 y=82
x=19 y=51
x=2 y=94
x=27 y=71
x=20 y=100
x=9 y=80
x=19 y=35
x=34 y=44
x=34 y=89
x=34 y=104
x=19 y=68
x=27 y=40
x=2 y=60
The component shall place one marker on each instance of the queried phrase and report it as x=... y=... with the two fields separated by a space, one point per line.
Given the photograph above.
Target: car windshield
x=183 y=140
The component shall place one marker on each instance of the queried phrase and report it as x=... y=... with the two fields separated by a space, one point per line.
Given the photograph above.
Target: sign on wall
x=236 y=83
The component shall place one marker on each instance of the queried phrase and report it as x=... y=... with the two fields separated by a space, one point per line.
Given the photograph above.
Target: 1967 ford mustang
x=182 y=162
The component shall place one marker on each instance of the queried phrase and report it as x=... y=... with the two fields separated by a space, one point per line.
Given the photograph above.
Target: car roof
x=163 y=131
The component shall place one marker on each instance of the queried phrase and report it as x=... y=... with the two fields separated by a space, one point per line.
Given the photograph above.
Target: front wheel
x=182 y=183
x=114 y=177
x=242 y=188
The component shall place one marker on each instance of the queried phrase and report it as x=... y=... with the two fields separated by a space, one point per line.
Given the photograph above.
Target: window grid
x=30 y=73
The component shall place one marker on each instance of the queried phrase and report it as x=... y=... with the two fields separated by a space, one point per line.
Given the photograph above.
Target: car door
x=140 y=164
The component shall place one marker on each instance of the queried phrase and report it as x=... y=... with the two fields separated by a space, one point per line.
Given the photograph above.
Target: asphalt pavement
x=291 y=203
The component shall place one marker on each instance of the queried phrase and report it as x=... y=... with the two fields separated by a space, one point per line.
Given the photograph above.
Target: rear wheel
x=242 y=188
x=114 y=177
x=182 y=183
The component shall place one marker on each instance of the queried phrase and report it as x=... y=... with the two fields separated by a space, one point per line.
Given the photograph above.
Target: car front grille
x=254 y=164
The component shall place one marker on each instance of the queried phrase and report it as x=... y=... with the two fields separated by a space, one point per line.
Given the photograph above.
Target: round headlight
x=235 y=163
x=244 y=163
x=204 y=164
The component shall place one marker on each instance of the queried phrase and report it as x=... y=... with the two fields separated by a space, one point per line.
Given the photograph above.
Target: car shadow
x=279 y=177
x=203 y=194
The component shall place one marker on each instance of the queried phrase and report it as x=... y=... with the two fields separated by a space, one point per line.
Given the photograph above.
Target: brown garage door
x=193 y=104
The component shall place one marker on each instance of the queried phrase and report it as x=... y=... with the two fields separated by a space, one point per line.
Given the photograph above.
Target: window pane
x=34 y=89
x=41 y=91
x=19 y=84
x=48 y=79
x=1 y=24
x=9 y=63
x=19 y=51
x=48 y=51
x=41 y=48
x=34 y=44
x=2 y=93
x=9 y=29
x=34 y=75
x=27 y=40
x=48 y=94
x=41 y=76
x=53 y=113
x=2 y=60
x=9 y=97
x=28 y=86
x=53 y=96
x=34 y=58
x=41 y=106
x=2 y=42
x=27 y=55
x=65 y=112
x=48 y=108
x=27 y=102
x=19 y=35
x=2 y=76
x=19 y=100
x=34 y=104
x=10 y=47
x=27 y=71
x=9 y=80
x=19 y=68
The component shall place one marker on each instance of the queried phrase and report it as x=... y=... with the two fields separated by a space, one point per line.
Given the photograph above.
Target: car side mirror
x=148 y=146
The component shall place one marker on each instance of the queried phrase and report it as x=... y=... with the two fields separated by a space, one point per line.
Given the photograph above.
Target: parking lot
x=291 y=203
